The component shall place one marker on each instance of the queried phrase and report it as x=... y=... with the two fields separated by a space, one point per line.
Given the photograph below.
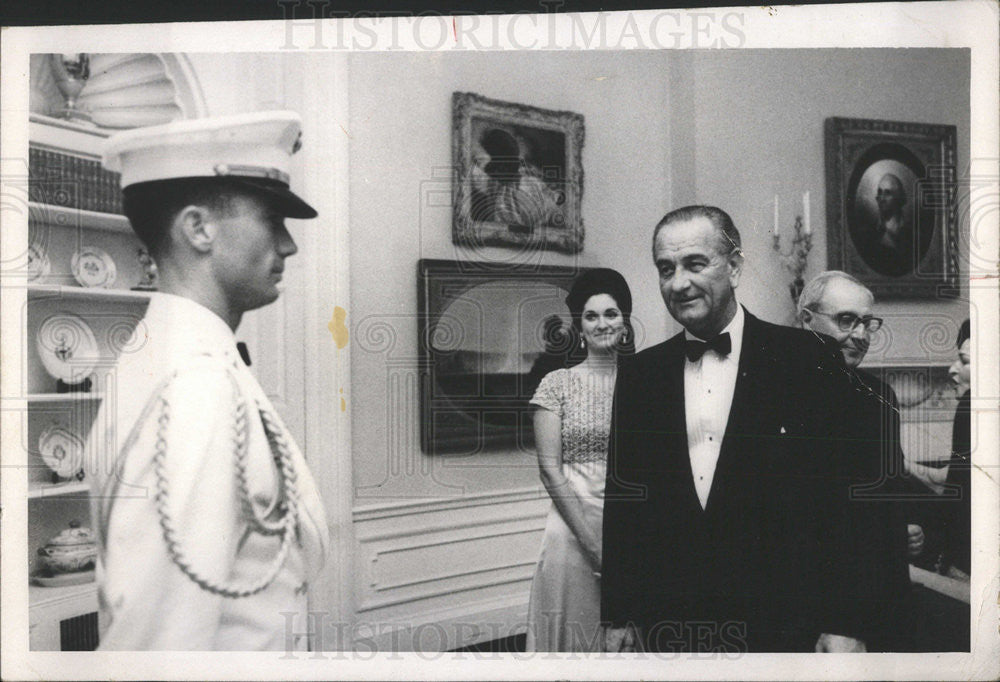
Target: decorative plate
x=38 y=263
x=68 y=347
x=45 y=579
x=62 y=450
x=93 y=267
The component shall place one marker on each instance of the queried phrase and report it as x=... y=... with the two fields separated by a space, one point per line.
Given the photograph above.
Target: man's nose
x=860 y=331
x=680 y=281
x=286 y=245
x=954 y=369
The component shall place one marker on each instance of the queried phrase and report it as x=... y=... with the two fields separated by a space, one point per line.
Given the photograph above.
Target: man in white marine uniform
x=208 y=521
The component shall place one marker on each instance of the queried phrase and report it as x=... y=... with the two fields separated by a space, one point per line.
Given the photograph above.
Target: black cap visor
x=284 y=199
x=274 y=192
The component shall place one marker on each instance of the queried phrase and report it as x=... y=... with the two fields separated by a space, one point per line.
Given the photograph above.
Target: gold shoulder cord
x=285 y=525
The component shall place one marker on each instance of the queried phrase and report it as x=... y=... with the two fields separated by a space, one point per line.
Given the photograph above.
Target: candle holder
x=796 y=258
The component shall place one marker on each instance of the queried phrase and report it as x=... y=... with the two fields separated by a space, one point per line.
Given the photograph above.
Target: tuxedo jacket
x=881 y=496
x=761 y=567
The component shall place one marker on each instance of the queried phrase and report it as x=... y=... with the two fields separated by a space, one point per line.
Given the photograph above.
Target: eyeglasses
x=848 y=321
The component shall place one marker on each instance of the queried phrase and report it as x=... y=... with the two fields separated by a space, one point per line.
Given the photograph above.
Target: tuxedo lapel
x=744 y=413
x=675 y=393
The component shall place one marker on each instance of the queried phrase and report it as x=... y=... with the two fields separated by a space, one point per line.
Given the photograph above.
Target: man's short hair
x=152 y=206
x=729 y=236
x=813 y=292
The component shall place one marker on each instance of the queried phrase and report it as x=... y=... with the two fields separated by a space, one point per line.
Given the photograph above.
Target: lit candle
x=807 y=228
x=775 y=215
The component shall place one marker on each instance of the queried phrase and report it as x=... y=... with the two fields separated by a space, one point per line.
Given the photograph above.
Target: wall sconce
x=796 y=257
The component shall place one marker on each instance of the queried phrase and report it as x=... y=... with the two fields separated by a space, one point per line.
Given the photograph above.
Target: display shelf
x=39 y=596
x=60 y=232
x=63 y=135
x=42 y=291
x=77 y=396
x=52 y=123
x=74 y=488
x=65 y=216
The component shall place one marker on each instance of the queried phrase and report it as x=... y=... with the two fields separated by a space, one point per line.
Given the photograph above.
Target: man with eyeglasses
x=837 y=305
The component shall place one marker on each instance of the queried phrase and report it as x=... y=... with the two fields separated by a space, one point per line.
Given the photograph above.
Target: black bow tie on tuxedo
x=721 y=344
x=241 y=348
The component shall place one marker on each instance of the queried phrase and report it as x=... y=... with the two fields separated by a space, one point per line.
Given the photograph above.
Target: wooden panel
x=461 y=567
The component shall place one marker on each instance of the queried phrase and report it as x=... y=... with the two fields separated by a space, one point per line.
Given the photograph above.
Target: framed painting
x=487 y=337
x=518 y=179
x=891 y=206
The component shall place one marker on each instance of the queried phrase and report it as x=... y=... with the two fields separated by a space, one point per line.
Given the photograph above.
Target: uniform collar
x=188 y=323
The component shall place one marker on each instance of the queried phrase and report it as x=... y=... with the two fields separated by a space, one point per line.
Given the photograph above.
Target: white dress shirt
x=709 y=383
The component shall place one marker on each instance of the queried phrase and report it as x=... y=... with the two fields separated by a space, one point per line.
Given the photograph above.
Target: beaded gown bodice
x=583 y=402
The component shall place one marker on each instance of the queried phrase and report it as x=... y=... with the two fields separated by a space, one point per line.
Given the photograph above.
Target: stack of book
x=72 y=181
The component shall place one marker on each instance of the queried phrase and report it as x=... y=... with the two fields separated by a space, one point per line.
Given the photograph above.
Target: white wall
x=401 y=154
x=758 y=131
x=757 y=127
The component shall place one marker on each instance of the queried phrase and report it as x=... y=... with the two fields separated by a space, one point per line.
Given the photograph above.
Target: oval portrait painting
x=890 y=231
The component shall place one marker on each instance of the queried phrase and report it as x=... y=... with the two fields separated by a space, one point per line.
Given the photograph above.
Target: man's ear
x=806 y=317
x=735 y=262
x=195 y=227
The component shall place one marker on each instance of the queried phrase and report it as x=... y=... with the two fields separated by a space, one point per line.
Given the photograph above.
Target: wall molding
x=451 y=627
x=392 y=533
x=459 y=574
x=523 y=575
x=419 y=556
x=388 y=510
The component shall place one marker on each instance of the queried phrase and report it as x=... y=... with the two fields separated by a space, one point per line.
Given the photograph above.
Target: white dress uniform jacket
x=181 y=389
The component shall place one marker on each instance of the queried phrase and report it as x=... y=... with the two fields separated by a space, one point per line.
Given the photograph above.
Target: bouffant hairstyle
x=964 y=333
x=591 y=283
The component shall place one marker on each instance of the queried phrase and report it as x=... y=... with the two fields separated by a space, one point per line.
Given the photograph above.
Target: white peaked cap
x=251 y=150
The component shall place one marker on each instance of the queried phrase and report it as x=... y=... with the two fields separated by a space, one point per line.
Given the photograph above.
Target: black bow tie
x=721 y=344
x=241 y=348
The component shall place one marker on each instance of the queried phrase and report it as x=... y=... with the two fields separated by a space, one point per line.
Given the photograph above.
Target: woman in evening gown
x=572 y=424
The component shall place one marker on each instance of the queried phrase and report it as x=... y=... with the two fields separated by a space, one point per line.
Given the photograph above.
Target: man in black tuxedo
x=724 y=506
x=882 y=542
